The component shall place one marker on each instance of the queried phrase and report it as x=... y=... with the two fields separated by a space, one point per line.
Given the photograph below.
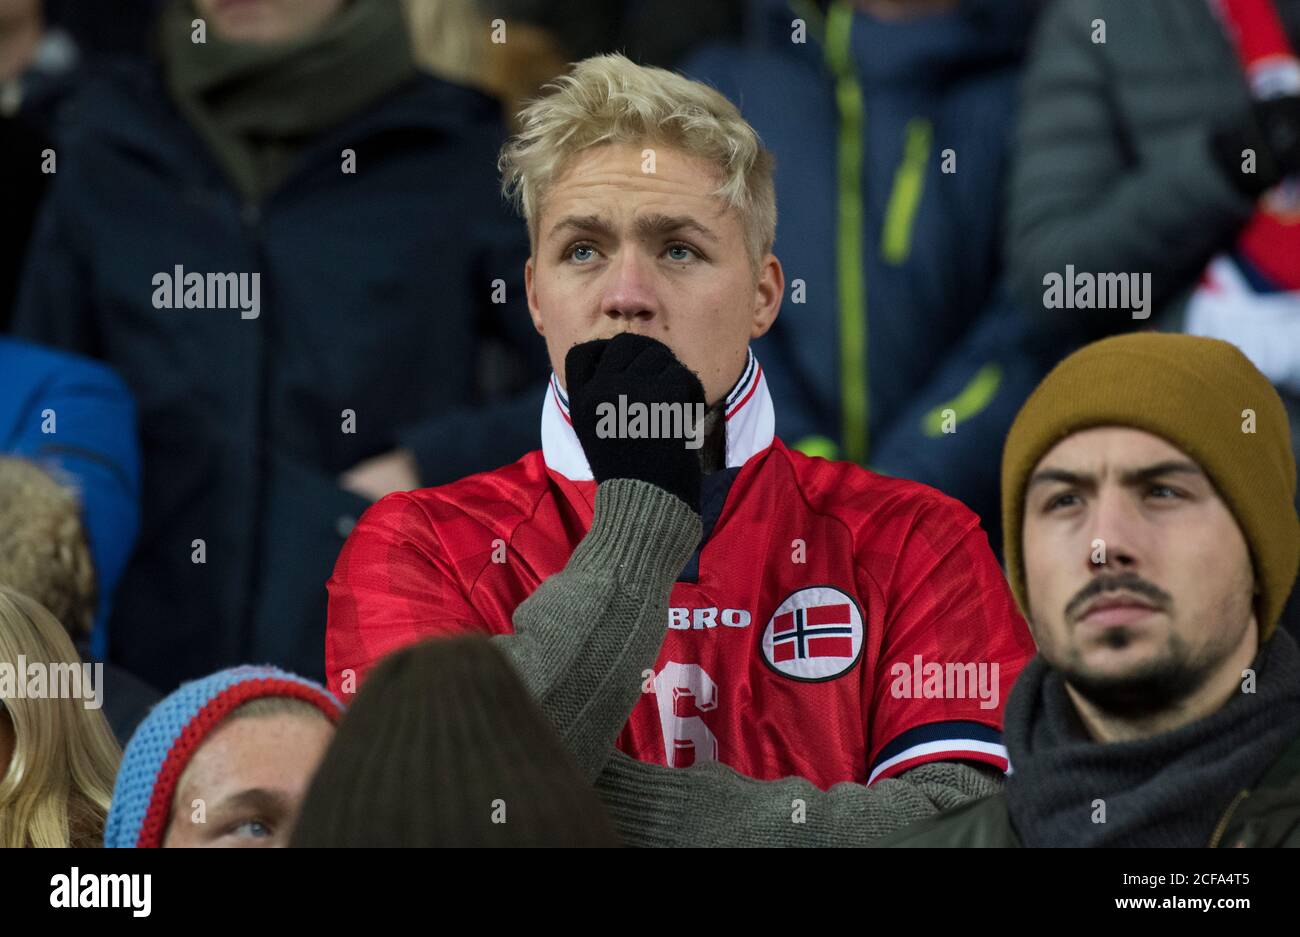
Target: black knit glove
x=645 y=371
x=1272 y=131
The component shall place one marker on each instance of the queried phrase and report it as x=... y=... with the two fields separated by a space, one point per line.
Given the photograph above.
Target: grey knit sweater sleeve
x=712 y=805
x=586 y=634
x=582 y=643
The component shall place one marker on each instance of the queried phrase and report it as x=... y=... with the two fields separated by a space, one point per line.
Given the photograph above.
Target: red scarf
x=1270 y=242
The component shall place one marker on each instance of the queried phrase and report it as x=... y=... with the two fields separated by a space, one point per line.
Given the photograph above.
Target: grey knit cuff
x=640 y=530
x=645 y=801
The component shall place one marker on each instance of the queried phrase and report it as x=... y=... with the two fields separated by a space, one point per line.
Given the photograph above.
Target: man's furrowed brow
x=648 y=227
x=1128 y=477
x=1043 y=476
x=582 y=224
x=1170 y=467
x=658 y=224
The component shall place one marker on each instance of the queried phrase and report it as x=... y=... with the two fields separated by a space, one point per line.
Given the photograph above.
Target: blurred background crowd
x=177 y=482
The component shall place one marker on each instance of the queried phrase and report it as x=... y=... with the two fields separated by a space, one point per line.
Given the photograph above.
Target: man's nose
x=1116 y=532
x=629 y=291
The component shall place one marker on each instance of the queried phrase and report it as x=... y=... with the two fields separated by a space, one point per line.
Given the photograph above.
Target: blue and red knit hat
x=167 y=739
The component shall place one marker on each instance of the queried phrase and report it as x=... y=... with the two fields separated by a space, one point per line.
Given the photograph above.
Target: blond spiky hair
x=610 y=99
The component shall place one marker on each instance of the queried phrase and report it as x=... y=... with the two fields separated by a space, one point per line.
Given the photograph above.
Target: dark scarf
x=258 y=104
x=1169 y=790
x=713 y=451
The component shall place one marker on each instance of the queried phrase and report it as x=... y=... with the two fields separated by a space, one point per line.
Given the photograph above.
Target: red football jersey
x=834 y=624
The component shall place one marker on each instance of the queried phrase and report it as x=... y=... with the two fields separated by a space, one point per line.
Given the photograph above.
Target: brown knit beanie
x=1192 y=392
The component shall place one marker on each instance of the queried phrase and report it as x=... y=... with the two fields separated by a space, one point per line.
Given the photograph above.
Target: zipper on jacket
x=854 y=408
x=909 y=183
x=1223 y=821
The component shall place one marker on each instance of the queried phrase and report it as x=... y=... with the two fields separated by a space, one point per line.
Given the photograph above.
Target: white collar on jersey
x=750 y=424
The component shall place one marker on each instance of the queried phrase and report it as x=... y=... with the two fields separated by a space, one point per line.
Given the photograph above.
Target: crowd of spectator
x=259 y=279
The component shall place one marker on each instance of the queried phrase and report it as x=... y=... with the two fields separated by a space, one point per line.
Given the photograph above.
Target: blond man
x=669 y=578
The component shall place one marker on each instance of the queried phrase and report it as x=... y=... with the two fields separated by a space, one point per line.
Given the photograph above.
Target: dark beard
x=1156 y=688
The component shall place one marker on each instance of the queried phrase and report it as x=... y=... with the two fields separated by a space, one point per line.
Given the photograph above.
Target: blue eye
x=574 y=251
x=684 y=249
x=254 y=829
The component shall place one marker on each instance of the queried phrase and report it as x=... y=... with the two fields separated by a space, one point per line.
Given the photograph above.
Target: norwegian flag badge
x=815 y=634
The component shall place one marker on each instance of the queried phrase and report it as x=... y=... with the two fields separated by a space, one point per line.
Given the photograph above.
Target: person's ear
x=768 y=290
x=534 y=311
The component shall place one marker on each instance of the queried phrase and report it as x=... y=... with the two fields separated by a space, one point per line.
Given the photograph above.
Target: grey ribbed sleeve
x=582 y=642
x=584 y=636
x=712 y=805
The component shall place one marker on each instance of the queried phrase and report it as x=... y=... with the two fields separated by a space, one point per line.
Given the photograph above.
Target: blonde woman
x=58 y=757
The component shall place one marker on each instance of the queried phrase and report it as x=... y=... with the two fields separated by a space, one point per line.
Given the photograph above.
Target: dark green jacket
x=1267 y=815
